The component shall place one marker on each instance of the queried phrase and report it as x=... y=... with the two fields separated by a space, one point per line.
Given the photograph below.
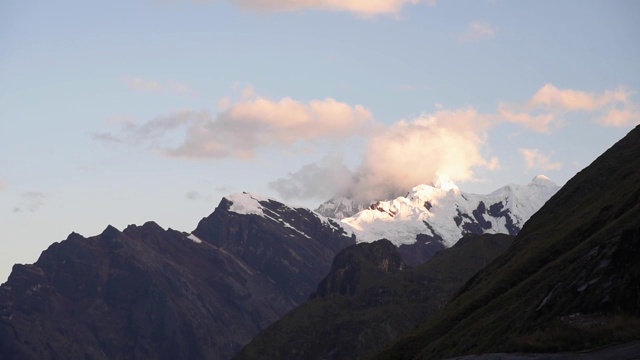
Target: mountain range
x=570 y=275
x=146 y=292
x=150 y=292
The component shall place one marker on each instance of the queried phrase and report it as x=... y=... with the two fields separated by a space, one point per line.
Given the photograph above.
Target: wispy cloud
x=477 y=31
x=549 y=105
x=323 y=179
x=106 y=137
x=246 y=125
x=451 y=142
x=30 y=201
x=365 y=8
x=148 y=85
x=197 y=196
x=534 y=159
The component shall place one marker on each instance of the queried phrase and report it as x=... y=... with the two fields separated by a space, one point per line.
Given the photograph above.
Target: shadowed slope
x=369 y=298
x=150 y=293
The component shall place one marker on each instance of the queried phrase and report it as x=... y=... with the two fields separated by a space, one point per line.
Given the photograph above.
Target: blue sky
x=126 y=111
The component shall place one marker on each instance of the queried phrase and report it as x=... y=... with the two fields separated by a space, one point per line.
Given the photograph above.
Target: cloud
x=246 y=126
x=447 y=142
x=534 y=159
x=30 y=201
x=146 y=85
x=400 y=156
x=365 y=8
x=549 y=106
x=621 y=117
x=2 y=185
x=396 y=156
x=477 y=31
x=323 y=179
x=106 y=137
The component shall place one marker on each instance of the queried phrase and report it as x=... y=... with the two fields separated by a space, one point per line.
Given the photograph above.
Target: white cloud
x=247 y=125
x=399 y=157
x=478 y=30
x=420 y=150
x=621 y=117
x=30 y=201
x=549 y=105
x=147 y=85
x=360 y=7
x=534 y=159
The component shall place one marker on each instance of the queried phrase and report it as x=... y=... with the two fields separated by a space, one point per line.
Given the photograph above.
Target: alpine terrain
x=147 y=292
x=570 y=281
x=433 y=217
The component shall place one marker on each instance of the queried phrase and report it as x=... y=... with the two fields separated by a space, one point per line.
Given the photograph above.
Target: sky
x=120 y=112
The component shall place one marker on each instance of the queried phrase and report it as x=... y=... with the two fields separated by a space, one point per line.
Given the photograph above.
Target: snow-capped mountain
x=200 y=295
x=443 y=213
x=341 y=207
x=281 y=214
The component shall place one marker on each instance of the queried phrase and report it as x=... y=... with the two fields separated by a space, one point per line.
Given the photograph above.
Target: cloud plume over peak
x=399 y=157
x=395 y=156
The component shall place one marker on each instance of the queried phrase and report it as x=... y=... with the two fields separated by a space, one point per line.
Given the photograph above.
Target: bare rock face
x=357 y=266
x=146 y=292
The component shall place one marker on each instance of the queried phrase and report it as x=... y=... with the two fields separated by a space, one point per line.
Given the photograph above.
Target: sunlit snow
x=402 y=219
x=194 y=238
x=245 y=203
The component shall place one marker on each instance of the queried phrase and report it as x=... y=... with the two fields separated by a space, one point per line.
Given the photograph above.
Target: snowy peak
x=445 y=183
x=439 y=213
x=542 y=181
x=246 y=203
x=288 y=217
x=443 y=213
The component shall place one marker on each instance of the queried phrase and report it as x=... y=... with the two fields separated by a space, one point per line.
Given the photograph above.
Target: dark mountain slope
x=570 y=281
x=370 y=298
x=151 y=293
